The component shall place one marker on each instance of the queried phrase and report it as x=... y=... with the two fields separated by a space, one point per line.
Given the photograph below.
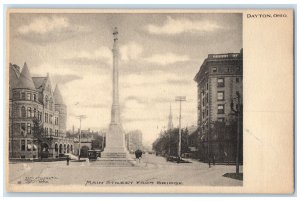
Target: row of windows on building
x=49 y=119
x=226 y=69
x=220 y=97
x=48 y=102
x=49 y=131
x=221 y=82
x=220 y=110
x=31 y=112
x=33 y=147
x=27 y=129
x=30 y=145
x=205 y=98
x=37 y=114
x=63 y=148
x=25 y=96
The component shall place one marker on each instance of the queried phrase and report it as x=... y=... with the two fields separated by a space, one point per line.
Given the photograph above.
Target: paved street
x=152 y=170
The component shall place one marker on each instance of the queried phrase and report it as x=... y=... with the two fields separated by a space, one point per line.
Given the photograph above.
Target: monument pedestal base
x=115 y=162
x=115 y=158
x=115 y=153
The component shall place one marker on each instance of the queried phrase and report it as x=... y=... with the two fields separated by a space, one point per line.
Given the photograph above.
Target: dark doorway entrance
x=84 y=151
x=60 y=148
x=45 y=150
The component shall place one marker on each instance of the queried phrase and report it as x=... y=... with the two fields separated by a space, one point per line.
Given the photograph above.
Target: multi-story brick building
x=220 y=92
x=37 y=117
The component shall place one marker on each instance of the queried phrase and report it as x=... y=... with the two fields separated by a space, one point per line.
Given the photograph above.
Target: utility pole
x=238 y=136
x=180 y=99
x=102 y=144
x=208 y=144
x=80 y=117
x=170 y=142
x=238 y=113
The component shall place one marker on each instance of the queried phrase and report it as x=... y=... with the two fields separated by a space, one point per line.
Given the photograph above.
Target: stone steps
x=113 y=155
x=113 y=163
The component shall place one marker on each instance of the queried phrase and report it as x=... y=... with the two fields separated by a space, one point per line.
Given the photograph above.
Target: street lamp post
x=180 y=99
x=80 y=117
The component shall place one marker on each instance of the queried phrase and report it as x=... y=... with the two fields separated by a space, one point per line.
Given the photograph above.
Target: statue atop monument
x=115 y=33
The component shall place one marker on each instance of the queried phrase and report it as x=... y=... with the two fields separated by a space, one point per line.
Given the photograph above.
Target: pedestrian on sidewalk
x=214 y=160
x=226 y=157
x=68 y=159
x=138 y=155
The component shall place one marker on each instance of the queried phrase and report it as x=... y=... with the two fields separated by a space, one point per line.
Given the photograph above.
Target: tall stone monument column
x=115 y=149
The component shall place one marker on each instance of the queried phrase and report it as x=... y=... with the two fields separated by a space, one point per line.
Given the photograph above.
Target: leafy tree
x=220 y=141
x=38 y=132
x=167 y=143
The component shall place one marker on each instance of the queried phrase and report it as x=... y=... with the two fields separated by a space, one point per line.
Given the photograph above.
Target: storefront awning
x=29 y=146
x=34 y=146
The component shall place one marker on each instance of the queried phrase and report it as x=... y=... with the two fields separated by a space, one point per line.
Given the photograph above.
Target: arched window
x=34 y=112
x=29 y=112
x=50 y=118
x=56 y=148
x=23 y=112
x=40 y=116
x=46 y=102
x=34 y=97
x=60 y=148
x=28 y=128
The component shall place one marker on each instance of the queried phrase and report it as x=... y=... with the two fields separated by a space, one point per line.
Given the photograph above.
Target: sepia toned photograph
x=100 y=101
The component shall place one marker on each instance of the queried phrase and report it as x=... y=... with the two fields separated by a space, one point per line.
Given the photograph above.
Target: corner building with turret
x=37 y=117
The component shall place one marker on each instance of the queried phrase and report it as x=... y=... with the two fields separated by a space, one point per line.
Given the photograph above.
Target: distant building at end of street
x=134 y=140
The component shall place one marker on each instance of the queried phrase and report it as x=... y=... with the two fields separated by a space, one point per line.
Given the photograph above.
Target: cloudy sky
x=160 y=55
